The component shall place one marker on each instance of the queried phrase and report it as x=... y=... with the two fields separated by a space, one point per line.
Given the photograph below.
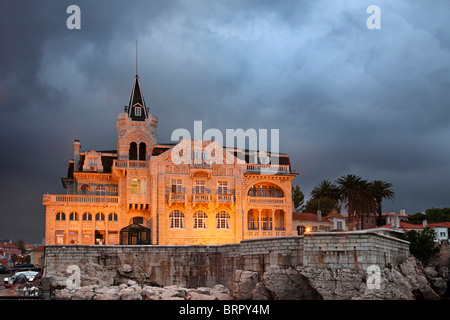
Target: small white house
x=441 y=229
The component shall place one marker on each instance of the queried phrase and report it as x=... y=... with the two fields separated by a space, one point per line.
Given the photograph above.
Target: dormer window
x=137 y=111
x=93 y=162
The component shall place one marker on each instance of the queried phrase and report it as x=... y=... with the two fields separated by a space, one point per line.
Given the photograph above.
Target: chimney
x=319 y=215
x=402 y=212
x=76 y=154
x=424 y=223
x=397 y=222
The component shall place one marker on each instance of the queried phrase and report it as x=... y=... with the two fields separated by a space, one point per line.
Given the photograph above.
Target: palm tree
x=356 y=194
x=325 y=189
x=381 y=190
x=325 y=196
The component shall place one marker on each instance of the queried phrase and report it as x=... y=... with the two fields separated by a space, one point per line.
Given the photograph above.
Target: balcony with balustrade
x=224 y=198
x=266 y=194
x=265 y=223
x=176 y=198
x=130 y=164
x=267 y=169
x=201 y=198
x=66 y=199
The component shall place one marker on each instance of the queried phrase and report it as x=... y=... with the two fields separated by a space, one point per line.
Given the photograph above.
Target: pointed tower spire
x=137 y=109
x=136 y=60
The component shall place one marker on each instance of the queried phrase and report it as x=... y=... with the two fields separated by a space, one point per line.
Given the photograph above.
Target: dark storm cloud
x=346 y=99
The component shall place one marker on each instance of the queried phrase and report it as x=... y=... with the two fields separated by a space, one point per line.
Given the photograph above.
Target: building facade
x=305 y=222
x=138 y=194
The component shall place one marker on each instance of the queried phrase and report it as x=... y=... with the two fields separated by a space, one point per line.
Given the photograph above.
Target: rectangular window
x=143 y=187
x=222 y=187
x=59 y=237
x=200 y=186
x=339 y=225
x=134 y=186
x=137 y=111
x=100 y=190
x=177 y=186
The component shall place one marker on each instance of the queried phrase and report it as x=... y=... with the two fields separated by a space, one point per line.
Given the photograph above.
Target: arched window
x=85 y=189
x=73 y=216
x=112 y=217
x=87 y=216
x=99 y=216
x=176 y=219
x=60 y=216
x=265 y=190
x=223 y=220
x=134 y=186
x=132 y=154
x=142 y=151
x=200 y=218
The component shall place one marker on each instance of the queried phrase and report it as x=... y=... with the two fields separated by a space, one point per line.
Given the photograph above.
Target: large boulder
x=220 y=292
x=289 y=284
x=244 y=282
x=107 y=293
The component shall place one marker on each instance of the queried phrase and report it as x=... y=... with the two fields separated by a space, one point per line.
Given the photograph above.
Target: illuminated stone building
x=138 y=195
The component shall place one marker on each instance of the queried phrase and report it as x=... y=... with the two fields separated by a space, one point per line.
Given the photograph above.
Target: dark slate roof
x=137 y=101
x=107 y=162
x=162 y=147
x=248 y=157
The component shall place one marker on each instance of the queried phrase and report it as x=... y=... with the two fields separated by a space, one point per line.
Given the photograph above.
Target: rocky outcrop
x=405 y=281
x=133 y=291
x=289 y=284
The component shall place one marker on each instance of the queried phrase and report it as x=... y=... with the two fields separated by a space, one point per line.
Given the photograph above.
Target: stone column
x=273 y=222
x=259 y=223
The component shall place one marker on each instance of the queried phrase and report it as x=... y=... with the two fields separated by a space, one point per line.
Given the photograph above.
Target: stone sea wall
x=206 y=266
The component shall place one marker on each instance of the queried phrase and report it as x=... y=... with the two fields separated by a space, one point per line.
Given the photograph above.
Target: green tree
x=416 y=218
x=298 y=197
x=431 y=215
x=323 y=204
x=437 y=214
x=422 y=244
x=381 y=190
x=21 y=245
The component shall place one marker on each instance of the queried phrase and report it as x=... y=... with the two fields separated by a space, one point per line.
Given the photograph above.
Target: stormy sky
x=345 y=98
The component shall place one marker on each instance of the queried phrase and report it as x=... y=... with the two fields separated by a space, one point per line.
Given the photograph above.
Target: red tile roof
x=439 y=224
x=304 y=216
x=307 y=216
x=405 y=225
x=335 y=214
